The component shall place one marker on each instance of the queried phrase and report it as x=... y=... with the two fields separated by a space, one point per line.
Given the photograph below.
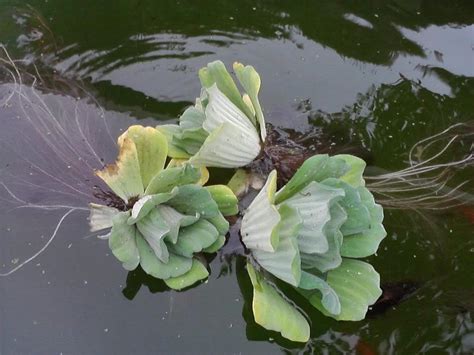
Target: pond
x=371 y=78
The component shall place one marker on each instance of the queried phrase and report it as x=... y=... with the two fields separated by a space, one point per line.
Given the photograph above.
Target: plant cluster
x=309 y=234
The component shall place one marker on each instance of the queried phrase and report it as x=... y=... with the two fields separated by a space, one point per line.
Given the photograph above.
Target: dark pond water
x=376 y=76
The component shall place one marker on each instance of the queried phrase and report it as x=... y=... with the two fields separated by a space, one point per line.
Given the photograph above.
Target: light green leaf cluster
x=224 y=128
x=273 y=312
x=304 y=233
x=308 y=234
x=168 y=216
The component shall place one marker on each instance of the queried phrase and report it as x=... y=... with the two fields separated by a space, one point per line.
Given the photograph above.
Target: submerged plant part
x=167 y=217
x=309 y=235
x=434 y=163
x=224 y=128
x=50 y=144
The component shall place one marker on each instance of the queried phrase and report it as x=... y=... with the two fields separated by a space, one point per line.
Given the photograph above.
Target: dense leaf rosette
x=224 y=128
x=167 y=216
x=305 y=233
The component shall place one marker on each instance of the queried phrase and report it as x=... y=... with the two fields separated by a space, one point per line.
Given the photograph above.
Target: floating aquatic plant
x=224 y=128
x=309 y=235
x=161 y=218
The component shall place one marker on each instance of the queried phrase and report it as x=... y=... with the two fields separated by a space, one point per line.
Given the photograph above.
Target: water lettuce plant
x=224 y=128
x=161 y=218
x=310 y=234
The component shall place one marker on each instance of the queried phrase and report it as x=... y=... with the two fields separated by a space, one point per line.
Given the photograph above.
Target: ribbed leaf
x=354 y=176
x=332 y=258
x=197 y=272
x=194 y=199
x=318 y=292
x=153 y=228
x=191 y=140
x=358 y=217
x=192 y=118
x=228 y=146
x=180 y=162
x=177 y=265
x=123 y=241
x=313 y=203
x=124 y=177
x=357 y=285
x=249 y=104
x=284 y=262
x=250 y=81
x=216 y=73
x=144 y=205
x=260 y=219
x=273 y=312
x=175 y=148
x=316 y=168
x=152 y=150
x=367 y=243
x=166 y=179
x=195 y=238
x=101 y=216
x=221 y=110
x=175 y=221
x=225 y=199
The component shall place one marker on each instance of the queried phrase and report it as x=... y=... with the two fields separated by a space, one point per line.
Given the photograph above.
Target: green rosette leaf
x=123 y=177
x=216 y=74
x=194 y=199
x=273 y=312
x=226 y=147
x=197 y=273
x=195 y=238
x=176 y=148
x=177 y=265
x=354 y=176
x=332 y=257
x=314 y=169
x=357 y=286
x=250 y=81
x=324 y=214
x=169 y=178
x=319 y=292
x=358 y=216
x=284 y=262
x=314 y=204
x=226 y=200
x=261 y=218
x=222 y=129
x=170 y=216
x=367 y=242
x=142 y=155
x=123 y=241
x=185 y=139
x=152 y=150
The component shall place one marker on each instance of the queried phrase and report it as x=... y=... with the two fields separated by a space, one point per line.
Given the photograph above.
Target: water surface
x=377 y=76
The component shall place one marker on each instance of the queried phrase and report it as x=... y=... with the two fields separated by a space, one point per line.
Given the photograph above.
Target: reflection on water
x=372 y=77
x=146 y=51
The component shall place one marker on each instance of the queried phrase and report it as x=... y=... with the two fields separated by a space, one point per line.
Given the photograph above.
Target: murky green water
x=374 y=76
